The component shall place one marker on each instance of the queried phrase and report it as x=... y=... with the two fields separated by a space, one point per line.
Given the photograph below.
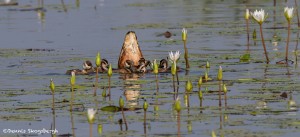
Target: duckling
x=142 y=67
x=87 y=69
x=130 y=50
x=128 y=67
x=103 y=66
x=163 y=67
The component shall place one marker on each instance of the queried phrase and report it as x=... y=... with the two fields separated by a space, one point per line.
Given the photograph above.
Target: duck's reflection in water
x=131 y=89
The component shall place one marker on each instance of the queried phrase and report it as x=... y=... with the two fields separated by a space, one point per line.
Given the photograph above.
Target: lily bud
x=156 y=108
x=52 y=86
x=200 y=95
x=98 y=59
x=177 y=105
x=145 y=106
x=91 y=115
x=224 y=88
x=104 y=93
x=207 y=64
x=121 y=102
x=200 y=81
x=184 y=34
x=288 y=13
x=206 y=76
x=247 y=14
x=188 y=86
x=109 y=72
x=220 y=74
x=213 y=134
x=100 y=128
x=73 y=78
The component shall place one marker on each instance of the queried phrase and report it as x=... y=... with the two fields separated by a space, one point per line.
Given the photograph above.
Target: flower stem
x=178 y=124
x=156 y=83
x=225 y=98
x=287 y=42
x=187 y=64
x=72 y=96
x=53 y=106
x=91 y=130
x=109 y=88
x=126 y=126
x=220 y=103
x=201 y=105
x=297 y=13
x=177 y=78
x=96 y=84
x=174 y=86
x=145 y=115
x=248 y=36
x=72 y=124
x=263 y=42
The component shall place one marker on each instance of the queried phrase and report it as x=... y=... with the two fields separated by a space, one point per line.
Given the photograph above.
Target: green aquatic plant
x=109 y=74
x=186 y=56
x=188 y=86
x=155 y=71
x=145 y=107
x=199 y=83
x=52 y=87
x=245 y=57
x=100 y=129
x=104 y=92
x=206 y=76
x=207 y=64
x=260 y=16
x=174 y=57
x=213 y=134
x=200 y=96
x=247 y=15
x=219 y=78
x=121 y=104
x=177 y=105
x=73 y=79
x=72 y=82
x=98 y=63
x=225 y=94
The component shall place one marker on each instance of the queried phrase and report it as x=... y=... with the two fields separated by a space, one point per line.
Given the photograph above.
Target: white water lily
x=91 y=114
x=173 y=57
x=288 y=13
x=259 y=16
x=247 y=14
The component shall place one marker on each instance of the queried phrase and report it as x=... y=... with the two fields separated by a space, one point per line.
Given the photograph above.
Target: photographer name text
x=29 y=131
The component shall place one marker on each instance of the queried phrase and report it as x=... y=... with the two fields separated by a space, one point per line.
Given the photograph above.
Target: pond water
x=39 y=44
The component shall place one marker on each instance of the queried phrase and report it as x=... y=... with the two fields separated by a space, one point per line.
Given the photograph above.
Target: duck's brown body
x=130 y=50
